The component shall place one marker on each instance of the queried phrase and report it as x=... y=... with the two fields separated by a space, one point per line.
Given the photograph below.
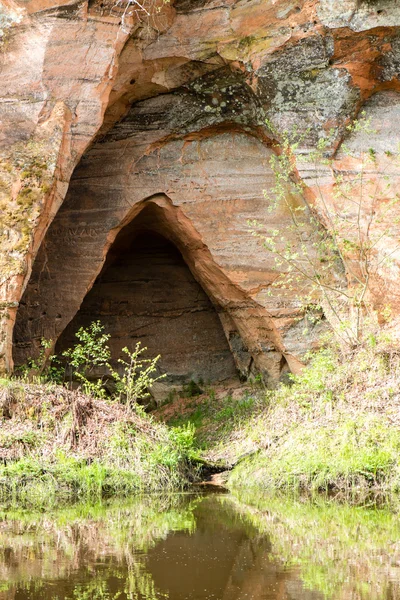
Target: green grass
x=336 y=426
x=215 y=421
x=341 y=550
x=57 y=445
x=345 y=453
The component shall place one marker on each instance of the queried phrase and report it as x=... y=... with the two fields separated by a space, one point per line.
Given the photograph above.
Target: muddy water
x=201 y=547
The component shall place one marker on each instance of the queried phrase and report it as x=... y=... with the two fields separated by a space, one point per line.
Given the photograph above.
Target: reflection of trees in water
x=272 y=548
x=100 y=544
x=345 y=552
x=128 y=552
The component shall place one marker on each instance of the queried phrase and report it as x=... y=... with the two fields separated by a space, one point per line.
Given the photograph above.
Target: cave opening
x=146 y=292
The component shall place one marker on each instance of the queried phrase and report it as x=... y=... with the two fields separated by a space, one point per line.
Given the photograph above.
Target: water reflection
x=202 y=547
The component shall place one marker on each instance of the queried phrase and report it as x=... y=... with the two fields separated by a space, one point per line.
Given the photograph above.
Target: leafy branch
x=331 y=247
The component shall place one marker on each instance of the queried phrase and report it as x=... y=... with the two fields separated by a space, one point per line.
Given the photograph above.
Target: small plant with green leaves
x=192 y=389
x=91 y=352
x=90 y=362
x=138 y=375
x=331 y=254
x=46 y=367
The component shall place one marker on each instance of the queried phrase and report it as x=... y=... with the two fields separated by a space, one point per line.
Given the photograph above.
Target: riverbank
x=335 y=428
x=57 y=445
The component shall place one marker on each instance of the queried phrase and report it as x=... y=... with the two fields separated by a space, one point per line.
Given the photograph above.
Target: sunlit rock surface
x=105 y=111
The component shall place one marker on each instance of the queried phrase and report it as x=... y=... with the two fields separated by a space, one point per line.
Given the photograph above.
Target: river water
x=201 y=547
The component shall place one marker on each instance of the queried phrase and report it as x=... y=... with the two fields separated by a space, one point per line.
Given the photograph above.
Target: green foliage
x=28 y=439
x=191 y=389
x=60 y=445
x=88 y=359
x=147 y=466
x=336 y=426
x=183 y=442
x=330 y=250
x=233 y=410
x=219 y=425
x=346 y=453
x=46 y=367
x=333 y=428
x=92 y=351
x=137 y=376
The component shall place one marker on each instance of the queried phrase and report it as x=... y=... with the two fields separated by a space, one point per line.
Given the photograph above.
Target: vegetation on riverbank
x=335 y=427
x=60 y=445
x=103 y=550
x=342 y=551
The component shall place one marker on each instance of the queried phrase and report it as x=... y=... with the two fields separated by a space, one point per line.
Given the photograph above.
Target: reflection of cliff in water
x=201 y=547
x=225 y=558
x=180 y=547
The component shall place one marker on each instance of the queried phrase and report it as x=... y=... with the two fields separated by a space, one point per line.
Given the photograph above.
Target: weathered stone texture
x=179 y=108
x=200 y=177
x=57 y=68
x=146 y=293
x=359 y=15
x=300 y=90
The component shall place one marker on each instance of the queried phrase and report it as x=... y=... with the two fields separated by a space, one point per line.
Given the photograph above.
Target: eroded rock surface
x=173 y=109
x=359 y=15
x=147 y=293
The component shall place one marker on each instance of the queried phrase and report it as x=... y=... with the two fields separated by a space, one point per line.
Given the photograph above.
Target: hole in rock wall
x=146 y=292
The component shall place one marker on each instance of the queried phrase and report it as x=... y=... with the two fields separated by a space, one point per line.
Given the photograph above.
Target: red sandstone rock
x=179 y=110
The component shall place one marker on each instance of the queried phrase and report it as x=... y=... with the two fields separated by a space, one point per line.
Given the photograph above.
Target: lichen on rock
x=179 y=101
x=8 y=19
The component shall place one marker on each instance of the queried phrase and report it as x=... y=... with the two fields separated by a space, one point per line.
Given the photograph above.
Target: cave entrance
x=146 y=292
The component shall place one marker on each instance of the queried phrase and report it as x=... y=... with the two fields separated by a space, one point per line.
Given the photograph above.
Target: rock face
x=114 y=121
x=147 y=293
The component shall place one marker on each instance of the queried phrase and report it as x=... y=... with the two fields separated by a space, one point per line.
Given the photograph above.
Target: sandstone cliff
x=119 y=121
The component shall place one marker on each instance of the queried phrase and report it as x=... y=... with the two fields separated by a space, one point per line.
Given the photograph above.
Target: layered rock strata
x=182 y=109
x=146 y=293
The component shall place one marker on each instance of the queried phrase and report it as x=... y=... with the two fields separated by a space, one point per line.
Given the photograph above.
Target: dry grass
x=80 y=446
x=337 y=426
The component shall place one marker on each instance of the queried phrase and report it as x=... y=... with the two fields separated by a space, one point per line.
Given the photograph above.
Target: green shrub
x=137 y=376
x=91 y=352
